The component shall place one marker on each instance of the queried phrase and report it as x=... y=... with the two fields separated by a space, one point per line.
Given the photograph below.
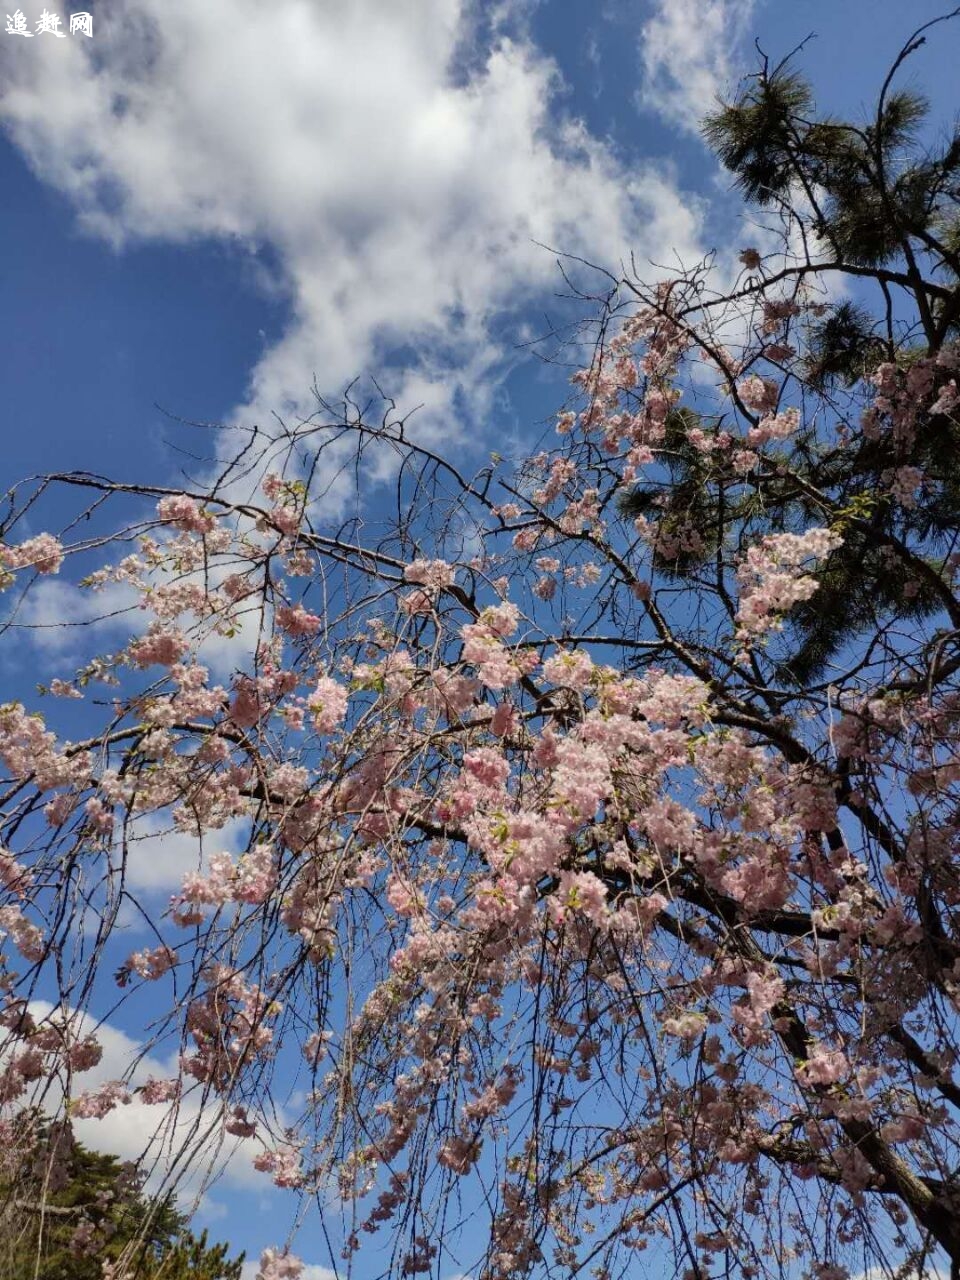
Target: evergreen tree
x=872 y=202
x=66 y=1210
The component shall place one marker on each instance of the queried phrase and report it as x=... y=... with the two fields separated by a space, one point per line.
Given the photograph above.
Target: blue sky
x=163 y=256
x=208 y=205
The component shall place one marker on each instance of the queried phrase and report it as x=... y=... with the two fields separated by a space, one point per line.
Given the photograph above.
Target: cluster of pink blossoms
x=759 y=394
x=185 y=514
x=773 y=578
x=433 y=574
x=100 y=1102
x=328 y=704
x=275 y=1265
x=44 y=553
x=297 y=621
x=283 y=1163
x=251 y=880
x=498 y=666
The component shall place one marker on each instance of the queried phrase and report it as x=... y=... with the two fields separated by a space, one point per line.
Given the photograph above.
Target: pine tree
x=65 y=1210
x=869 y=201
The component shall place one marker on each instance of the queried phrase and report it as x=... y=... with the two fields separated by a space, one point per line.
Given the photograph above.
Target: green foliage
x=871 y=187
x=688 y=507
x=842 y=347
x=192 y=1258
x=885 y=208
x=65 y=1210
x=702 y=503
x=755 y=135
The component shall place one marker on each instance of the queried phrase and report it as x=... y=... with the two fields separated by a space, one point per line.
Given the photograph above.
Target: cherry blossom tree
x=601 y=814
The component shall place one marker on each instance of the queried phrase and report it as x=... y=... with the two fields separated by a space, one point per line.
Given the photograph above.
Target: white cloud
x=137 y=1131
x=397 y=171
x=159 y=856
x=688 y=55
x=312 y=1271
x=895 y=1267
x=210 y=1210
x=69 y=623
x=63 y=620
